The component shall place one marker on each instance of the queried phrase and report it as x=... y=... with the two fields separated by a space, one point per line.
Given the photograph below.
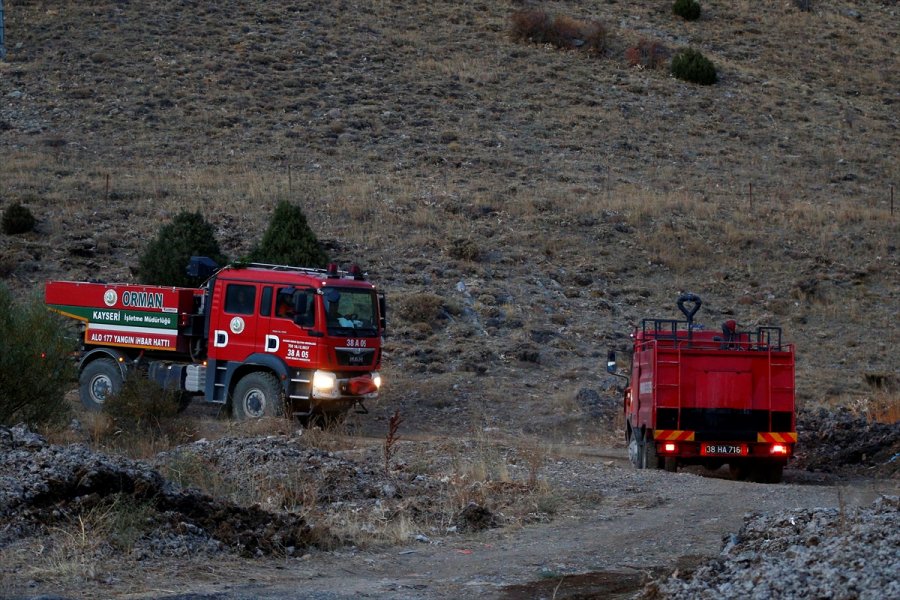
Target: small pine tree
x=165 y=260
x=289 y=240
x=17 y=219
x=689 y=10
x=690 y=65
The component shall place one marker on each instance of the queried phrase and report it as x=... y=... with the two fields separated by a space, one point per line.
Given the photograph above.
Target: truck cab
x=318 y=331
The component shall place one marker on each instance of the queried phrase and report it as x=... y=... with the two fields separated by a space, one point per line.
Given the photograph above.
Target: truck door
x=291 y=330
x=234 y=337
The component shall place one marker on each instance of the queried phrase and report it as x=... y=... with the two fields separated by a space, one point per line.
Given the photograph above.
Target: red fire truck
x=261 y=339
x=710 y=398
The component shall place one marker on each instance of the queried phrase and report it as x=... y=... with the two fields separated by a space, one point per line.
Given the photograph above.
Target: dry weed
x=562 y=31
x=371 y=528
x=188 y=470
x=882 y=406
x=77 y=549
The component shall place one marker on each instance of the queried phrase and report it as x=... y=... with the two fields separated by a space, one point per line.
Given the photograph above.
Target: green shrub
x=165 y=260
x=690 y=65
x=465 y=249
x=687 y=9
x=36 y=368
x=141 y=406
x=289 y=240
x=17 y=219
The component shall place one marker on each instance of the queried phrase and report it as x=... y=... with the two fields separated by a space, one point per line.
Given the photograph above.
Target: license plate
x=723 y=449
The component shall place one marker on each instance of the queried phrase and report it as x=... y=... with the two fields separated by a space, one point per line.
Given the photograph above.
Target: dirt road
x=643 y=523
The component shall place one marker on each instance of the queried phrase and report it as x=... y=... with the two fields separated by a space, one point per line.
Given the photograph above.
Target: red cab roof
x=316 y=278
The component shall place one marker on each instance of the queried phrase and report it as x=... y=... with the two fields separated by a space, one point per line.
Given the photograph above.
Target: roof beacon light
x=333 y=270
x=356 y=272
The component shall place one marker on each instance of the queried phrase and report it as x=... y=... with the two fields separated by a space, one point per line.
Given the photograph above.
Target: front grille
x=353 y=357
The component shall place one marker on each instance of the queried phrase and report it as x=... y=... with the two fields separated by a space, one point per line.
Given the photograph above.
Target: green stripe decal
x=130 y=318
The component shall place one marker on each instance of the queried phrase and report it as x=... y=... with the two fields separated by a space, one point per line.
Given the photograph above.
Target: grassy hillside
x=523 y=206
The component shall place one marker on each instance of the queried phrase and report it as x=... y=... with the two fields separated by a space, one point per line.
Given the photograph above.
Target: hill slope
x=550 y=198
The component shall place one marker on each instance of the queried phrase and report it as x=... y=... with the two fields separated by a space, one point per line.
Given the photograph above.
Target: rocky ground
x=820 y=553
x=285 y=496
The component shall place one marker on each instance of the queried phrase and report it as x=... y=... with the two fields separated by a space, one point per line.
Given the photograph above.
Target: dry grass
x=881 y=406
x=647 y=54
x=77 y=550
x=561 y=31
x=381 y=527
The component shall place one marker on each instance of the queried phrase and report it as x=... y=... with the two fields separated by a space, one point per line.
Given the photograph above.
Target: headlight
x=324 y=385
x=376 y=378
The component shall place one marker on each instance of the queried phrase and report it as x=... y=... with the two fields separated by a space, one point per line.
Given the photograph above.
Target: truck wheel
x=99 y=380
x=257 y=395
x=651 y=459
x=670 y=464
x=635 y=453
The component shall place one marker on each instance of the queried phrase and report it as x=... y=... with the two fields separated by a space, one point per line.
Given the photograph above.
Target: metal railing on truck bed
x=684 y=334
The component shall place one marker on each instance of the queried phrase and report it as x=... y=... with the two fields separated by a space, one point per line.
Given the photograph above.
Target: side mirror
x=611 y=362
x=382 y=310
x=300 y=303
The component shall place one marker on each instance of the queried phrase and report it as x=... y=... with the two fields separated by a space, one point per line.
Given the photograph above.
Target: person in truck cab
x=284 y=310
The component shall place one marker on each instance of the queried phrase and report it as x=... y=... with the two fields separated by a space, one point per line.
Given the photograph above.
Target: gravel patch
x=818 y=553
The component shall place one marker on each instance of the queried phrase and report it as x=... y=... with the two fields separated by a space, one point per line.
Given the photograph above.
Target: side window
x=297 y=305
x=240 y=299
x=265 y=304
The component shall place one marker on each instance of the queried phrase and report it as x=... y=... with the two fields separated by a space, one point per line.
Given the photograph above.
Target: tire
x=651 y=459
x=635 y=451
x=257 y=395
x=99 y=380
x=670 y=464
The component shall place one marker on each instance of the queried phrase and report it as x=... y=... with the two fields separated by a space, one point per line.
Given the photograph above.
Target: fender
x=119 y=358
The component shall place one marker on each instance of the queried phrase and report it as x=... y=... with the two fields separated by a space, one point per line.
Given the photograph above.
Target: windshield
x=350 y=312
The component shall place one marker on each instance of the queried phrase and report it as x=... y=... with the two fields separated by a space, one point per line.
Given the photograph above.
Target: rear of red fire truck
x=701 y=397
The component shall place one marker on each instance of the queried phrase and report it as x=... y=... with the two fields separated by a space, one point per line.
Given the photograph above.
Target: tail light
x=778 y=449
x=670 y=447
